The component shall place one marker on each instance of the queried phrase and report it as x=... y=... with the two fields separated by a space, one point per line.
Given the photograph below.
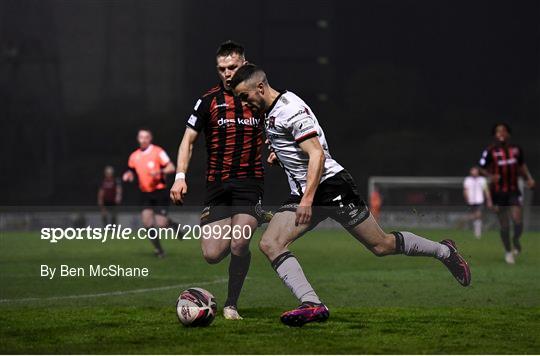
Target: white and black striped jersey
x=288 y=122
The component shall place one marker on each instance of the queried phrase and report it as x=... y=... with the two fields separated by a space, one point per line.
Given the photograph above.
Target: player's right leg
x=504 y=220
x=370 y=234
x=215 y=247
x=279 y=234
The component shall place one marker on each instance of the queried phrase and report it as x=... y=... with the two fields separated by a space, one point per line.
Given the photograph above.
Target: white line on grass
x=108 y=294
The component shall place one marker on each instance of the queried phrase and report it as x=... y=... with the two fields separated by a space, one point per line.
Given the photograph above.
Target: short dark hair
x=504 y=124
x=145 y=128
x=245 y=72
x=230 y=47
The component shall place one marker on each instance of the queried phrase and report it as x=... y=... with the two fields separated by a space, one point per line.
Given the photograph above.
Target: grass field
x=394 y=304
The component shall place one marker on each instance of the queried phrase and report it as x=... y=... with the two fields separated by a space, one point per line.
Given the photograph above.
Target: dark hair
x=245 y=72
x=504 y=124
x=229 y=47
x=144 y=128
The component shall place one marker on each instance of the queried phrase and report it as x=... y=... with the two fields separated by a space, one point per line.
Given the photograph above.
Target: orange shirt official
x=148 y=164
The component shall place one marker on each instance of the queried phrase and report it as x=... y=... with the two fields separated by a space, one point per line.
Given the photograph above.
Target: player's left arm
x=167 y=167
x=525 y=170
x=119 y=192
x=527 y=175
x=314 y=150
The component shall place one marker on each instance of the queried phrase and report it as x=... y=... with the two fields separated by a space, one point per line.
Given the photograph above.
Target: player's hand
x=495 y=177
x=178 y=191
x=128 y=176
x=303 y=213
x=272 y=159
x=531 y=184
x=489 y=204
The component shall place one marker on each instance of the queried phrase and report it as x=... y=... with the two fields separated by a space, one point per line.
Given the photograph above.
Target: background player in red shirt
x=150 y=163
x=503 y=162
x=109 y=195
x=234 y=171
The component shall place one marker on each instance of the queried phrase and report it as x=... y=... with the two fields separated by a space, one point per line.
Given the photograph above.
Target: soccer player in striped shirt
x=234 y=175
x=320 y=188
x=503 y=162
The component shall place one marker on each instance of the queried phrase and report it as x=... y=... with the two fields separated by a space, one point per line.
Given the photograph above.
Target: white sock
x=477 y=224
x=414 y=245
x=290 y=272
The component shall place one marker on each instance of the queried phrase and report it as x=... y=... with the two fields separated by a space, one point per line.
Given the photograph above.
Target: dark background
x=400 y=87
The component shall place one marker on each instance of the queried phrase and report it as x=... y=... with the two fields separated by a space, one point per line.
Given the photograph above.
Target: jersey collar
x=281 y=92
x=147 y=150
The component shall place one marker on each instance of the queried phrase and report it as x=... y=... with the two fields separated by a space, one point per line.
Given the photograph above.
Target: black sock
x=155 y=242
x=518 y=229
x=238 y=269
x=505 y=237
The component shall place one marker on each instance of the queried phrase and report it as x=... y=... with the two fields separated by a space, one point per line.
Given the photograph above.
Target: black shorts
x=337 y=198
x=512 y=198
x=476 y=207
x=158 y=201
x=231 y=197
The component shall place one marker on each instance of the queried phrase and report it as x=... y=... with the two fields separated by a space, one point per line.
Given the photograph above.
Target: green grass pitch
x=394 y=304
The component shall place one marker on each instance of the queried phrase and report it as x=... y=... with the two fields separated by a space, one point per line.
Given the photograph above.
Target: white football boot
x=230 y=313
x=509 y=258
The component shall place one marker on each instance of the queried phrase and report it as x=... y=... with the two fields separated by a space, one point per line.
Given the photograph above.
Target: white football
x=196 y=307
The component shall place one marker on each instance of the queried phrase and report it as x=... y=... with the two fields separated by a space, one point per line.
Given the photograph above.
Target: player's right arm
x=129 y=174
x=487 y=194
x=195 y=124
x=179 y=188
x=485 y=161
x=465 y=191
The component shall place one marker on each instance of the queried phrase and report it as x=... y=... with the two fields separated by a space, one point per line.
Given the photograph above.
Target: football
x=196 y=307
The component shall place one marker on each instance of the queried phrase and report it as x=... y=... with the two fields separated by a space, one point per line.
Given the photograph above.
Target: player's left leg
x=517 y=218
x=243 y=226
x=370 y=234
x=148 y=220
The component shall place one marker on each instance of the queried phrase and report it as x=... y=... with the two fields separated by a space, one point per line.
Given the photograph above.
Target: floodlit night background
x=400 y=87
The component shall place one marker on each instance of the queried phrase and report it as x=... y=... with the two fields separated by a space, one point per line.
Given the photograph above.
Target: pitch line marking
x=108 y=294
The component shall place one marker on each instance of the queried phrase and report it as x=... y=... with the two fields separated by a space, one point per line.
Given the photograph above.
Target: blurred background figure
x=109 y=196
x=375 y=203
x=476 y=193
x=151 y=164
x=503 y=162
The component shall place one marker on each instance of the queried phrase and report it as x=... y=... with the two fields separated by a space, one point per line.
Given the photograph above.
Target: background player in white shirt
x=320 y=188
x=476 y=192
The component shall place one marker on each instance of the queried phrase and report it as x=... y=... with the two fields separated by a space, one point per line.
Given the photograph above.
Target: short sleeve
x=302 y=125
x=199 y=117
x=485 y=160
x=163 y=158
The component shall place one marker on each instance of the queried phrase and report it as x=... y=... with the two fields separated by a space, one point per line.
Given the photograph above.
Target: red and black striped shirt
x=505 y=161
x=233 y=136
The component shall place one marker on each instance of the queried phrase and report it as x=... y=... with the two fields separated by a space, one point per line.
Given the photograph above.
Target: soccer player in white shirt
x=320 y=188
x=476 y=192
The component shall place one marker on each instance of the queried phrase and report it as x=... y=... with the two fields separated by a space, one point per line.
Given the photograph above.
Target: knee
x=385 y=247
x=213 y=256
x=268 y=246
x=240 y=247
